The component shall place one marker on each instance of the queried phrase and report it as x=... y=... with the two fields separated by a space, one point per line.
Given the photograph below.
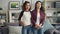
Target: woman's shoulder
x=42 y=12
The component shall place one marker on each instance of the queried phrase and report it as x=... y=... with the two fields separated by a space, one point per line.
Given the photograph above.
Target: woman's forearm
x=21 y=22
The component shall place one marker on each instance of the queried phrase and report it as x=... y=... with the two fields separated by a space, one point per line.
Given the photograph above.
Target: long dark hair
x=42 y=8
x=23 y=7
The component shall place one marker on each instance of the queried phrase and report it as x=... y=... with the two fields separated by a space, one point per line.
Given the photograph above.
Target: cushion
x=15 y=29
x=47 y=25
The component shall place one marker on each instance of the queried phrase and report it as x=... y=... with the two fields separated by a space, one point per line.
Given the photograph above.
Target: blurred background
x=10 y=10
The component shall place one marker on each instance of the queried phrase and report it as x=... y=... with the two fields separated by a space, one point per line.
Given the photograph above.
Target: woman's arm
x=20 y=19
x=43 y=19
x=32 y=19
x=22 y=23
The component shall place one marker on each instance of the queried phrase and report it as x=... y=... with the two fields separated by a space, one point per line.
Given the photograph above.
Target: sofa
x=14 y=28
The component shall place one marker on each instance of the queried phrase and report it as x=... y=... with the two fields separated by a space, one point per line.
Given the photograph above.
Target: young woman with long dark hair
x=38 y=18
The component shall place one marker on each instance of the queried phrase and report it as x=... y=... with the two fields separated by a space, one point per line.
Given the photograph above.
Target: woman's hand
x=31 y=24
x=38 y=26
x=24 y=25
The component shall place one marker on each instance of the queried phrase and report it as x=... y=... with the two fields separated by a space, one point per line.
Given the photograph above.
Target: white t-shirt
x=26 y=17
x=38 y=18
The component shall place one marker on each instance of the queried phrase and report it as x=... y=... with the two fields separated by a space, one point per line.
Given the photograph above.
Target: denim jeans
x=26 y=30
x=35 y=31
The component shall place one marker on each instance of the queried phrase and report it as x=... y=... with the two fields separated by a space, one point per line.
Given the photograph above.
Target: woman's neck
x=26 y=10
x=38 y=10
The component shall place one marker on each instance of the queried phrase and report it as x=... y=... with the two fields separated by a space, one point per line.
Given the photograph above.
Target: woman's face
x=27 y=6
x=38 y=5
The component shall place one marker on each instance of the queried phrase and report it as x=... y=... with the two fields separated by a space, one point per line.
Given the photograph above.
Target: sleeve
x=32 y=19
x=19 y=18
x=43 y=19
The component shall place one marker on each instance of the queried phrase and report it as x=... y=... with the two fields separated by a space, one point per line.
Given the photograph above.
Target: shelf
x=3 y=12
x=1 y=25
x=55 y=23
x=14 y=18
x=52 y=8
x=52 y=16
x=51 y=0
x=49 y=6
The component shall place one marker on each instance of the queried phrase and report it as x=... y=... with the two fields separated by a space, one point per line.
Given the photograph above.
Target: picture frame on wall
x=14 y=5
